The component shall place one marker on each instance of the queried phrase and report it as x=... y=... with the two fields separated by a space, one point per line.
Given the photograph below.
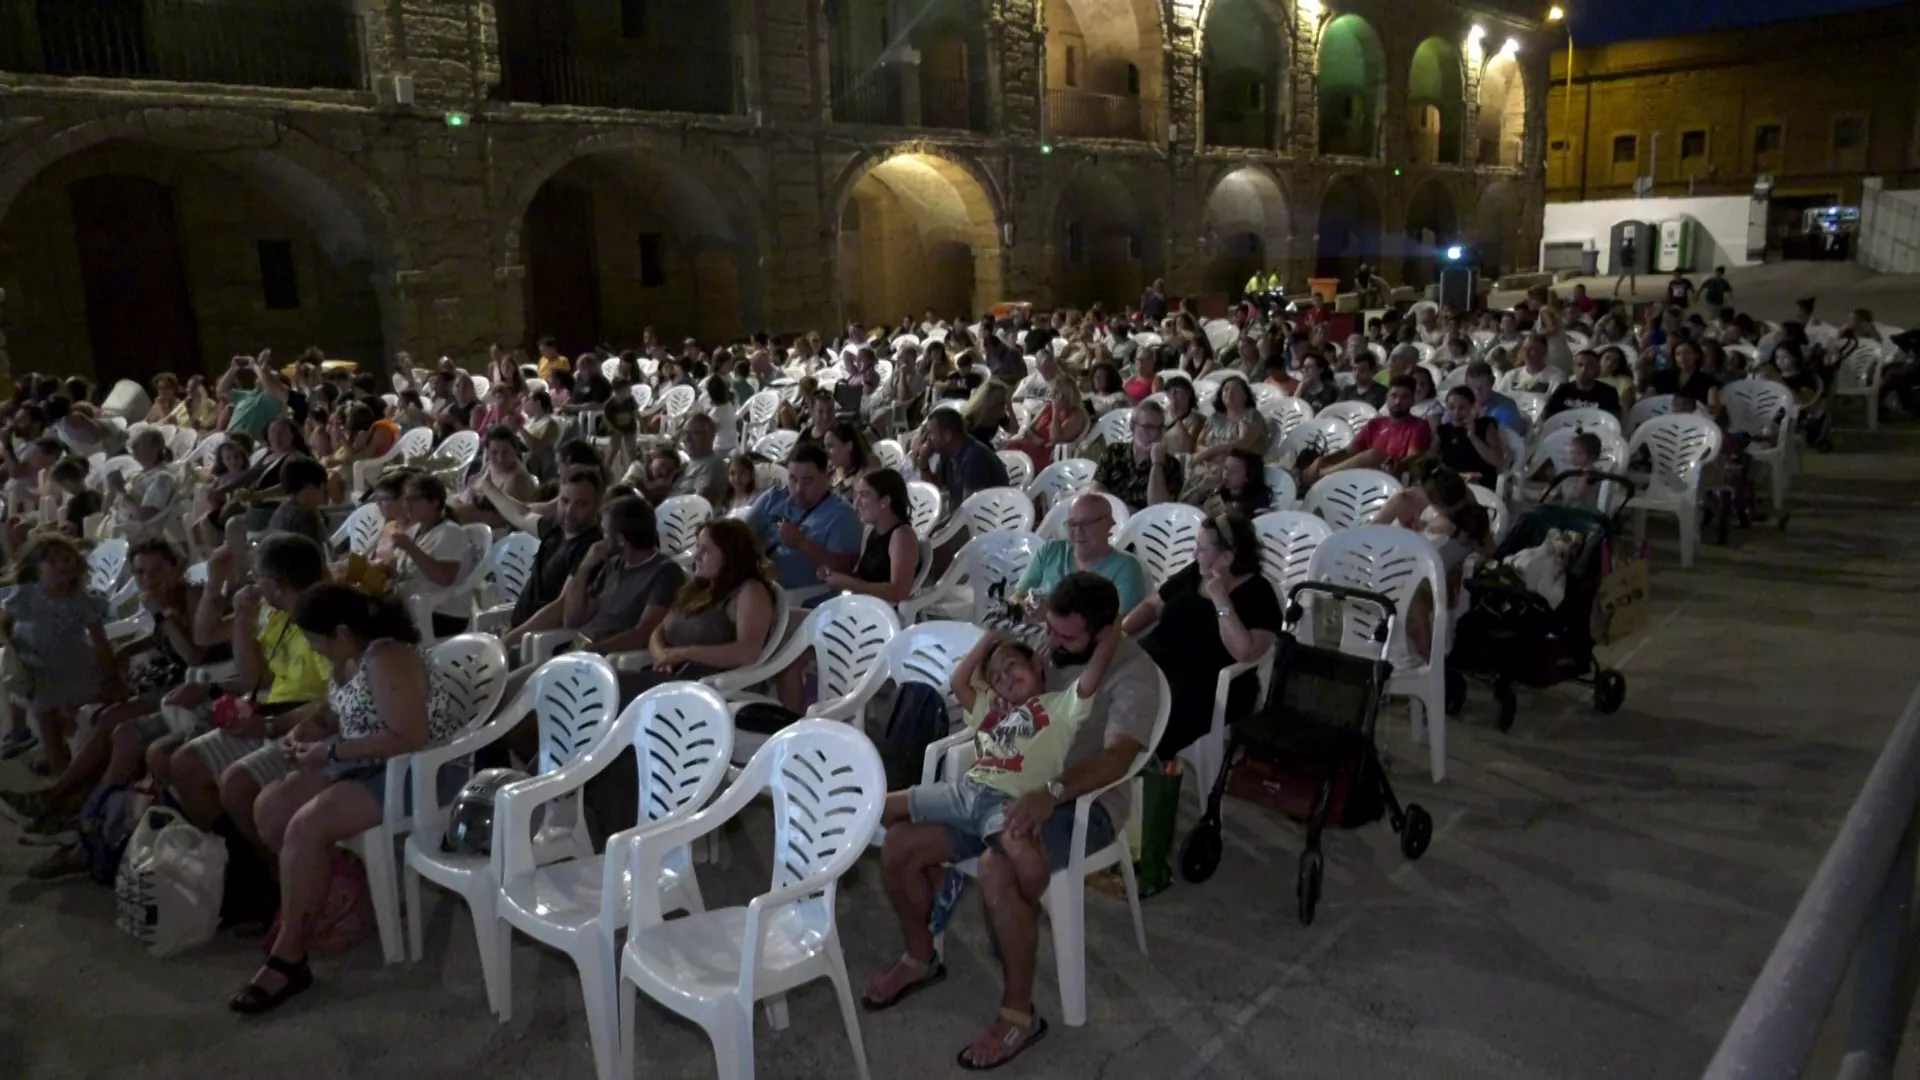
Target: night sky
x=1596 y=22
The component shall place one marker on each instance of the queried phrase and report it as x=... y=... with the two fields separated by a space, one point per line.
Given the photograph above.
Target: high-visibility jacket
x=1273 y=282
x=1253 y=284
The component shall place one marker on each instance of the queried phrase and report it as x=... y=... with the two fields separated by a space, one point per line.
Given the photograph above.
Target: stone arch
x=1105 y=72
x=1247 y=228
x=1498 y=229
x=917 y=228
x=1246 y=91
x=1433 y=224
x=1348 y=233
x=1503 y=112
x=1106 y=238
x=1436 y=103
x=1351 y=88
x=216 y=189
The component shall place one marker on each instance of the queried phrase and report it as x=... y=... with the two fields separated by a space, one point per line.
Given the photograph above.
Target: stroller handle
x=1382 y=631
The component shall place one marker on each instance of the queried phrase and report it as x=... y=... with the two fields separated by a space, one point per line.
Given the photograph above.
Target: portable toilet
x=1640 y=236
x=1676 y=245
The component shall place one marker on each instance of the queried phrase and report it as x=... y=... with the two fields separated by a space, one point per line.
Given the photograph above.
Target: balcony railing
x=659 y=80
x=880 y=97
x=1079 y=114
x=1247 y=130
x=869 y=96
x=279 y=43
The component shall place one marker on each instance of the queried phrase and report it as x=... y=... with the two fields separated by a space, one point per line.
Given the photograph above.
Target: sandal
x=254 y=999
x=1023 y=1031
x=931 y=973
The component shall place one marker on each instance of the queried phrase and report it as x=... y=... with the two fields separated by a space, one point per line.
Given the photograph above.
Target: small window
x=1257 y=96
x=1693 y=144
x=1557 y=146
x=1133 y=246
x=279 y=279
x=1626 y=149
x=1133 y=80
x=633 y=19
x=1073 y=66
x=1076 y=244
x=1849 y=133
x=1767 y=139
x=653 y=268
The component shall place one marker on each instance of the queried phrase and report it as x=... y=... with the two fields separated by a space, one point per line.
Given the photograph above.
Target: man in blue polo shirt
x=1492 y=403
x=805 y=526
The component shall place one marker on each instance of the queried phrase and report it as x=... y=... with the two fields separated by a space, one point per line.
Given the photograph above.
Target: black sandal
x=254 y=999
x=932 y=973
x=1023 y=1030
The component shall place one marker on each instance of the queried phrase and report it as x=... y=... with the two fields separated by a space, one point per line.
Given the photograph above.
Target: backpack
x=916 y=720
x=106 y=824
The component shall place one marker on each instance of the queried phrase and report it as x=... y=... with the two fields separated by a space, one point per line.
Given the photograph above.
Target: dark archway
x=917 y=232
x=1246 y=228
x=1432 y=226
x=1349 y=230
x=1352 y=88
x=1245 y=69
x=1497 y=230
x=1106 y=244
x=1503 y=112
x=1436 y=103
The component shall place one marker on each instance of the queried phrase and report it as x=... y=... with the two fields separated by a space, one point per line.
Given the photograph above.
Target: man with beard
x=1388 y=440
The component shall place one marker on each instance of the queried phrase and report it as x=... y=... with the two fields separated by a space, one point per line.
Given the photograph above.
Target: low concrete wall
x=1889 y=239
x=1720 y=240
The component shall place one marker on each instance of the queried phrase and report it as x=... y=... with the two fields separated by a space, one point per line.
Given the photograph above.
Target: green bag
x=1159 y=822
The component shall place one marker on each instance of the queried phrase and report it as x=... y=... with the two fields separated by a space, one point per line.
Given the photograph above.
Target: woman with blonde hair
x=989 y=412
x=1059 y=426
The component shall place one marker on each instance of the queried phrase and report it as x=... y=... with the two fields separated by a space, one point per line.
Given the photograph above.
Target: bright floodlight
x=1475 y=34
x=1511 y=48
x=1454 y=253
x=1556 y=13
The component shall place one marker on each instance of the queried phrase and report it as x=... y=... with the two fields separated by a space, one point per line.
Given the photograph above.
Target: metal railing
x=645 y=80
x=279 y=43
x=877 y=96
x=958 y=104
x=1858 y=914
x=869 y=96
x=1080 y=114
x=1250 y=130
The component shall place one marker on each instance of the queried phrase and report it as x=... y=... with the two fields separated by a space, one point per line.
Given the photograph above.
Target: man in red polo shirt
x=1385 y=443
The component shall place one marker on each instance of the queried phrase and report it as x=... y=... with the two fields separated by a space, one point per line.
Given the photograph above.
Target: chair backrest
x=476 y=669
x=1019 y=467
x=1115 y=428
x=1288 y=539
x=850 y=635
x=1351 y=497
x=1282 y=413
x=676 y=401
x=204 y=450
x=1496 y=508
x=828 y=786
x=1585 y=418
x=996 y=510
x=361 y=530
x=481 y=385
x=459 y=448
x=923 y=504
x=1646 y=409
x=1754 y=405
x=1162 y=537
x=1678 y=445
x=776 y=445
x=1068 y=476
x=679 y=519
x=510 y=564
x=182 y=441
x=1322 y=434
x=572 y=698
x=1383 y=559
x=1054 y=525
x=1354 y=414
x=682 y=738
x=642 y=395
x=105 y=564
x=1859 y=370
x=928 y=653
x=1286 y=492
x=890 y=454
x=415 y=442
x=991 y=564
x=1531 y=405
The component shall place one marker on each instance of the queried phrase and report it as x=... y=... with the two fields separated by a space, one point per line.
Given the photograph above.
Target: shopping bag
x=171 y=880
x=1624 y=598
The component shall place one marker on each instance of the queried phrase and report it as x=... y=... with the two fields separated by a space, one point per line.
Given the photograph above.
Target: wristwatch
x=1057 y=790
x=1223 y=610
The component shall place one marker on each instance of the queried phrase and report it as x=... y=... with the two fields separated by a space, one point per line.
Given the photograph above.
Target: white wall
x=1720 y=238
x=1889 y=240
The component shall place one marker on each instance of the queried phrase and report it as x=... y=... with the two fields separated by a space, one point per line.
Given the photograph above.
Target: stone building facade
x=435 y=175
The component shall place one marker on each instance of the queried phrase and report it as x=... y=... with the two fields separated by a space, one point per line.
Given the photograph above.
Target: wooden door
x=563 y=280
x=133 y=275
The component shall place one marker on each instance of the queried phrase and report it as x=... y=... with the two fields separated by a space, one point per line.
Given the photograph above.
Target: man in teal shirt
x=255 y=392
x=1088 y=547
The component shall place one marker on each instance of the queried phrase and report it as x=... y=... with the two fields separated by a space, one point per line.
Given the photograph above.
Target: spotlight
x=1455 y=253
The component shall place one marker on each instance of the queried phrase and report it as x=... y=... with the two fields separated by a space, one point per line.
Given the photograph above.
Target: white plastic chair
x=1532 y=406
x=992 y=510
x=983 y=572
x=674 y=404
x=1054 y=525
x=508 y=568
x=1496 y=508
x=776 y=445
x=458 y=450
x=1646 y=409
x=1162 y=537
x=1282 y=414
x=680 y=519
x=923 y=505
x=459 y=600
x=1350 y=497
x=1019 y=467
x=1354 y=414
x=847 y=634
x=1585 y=418
x=757 y=416
x=1288 y=539
x=1394 y=561
x=1679 y=446
x=1858 y=376
x=182 y=443
x=201 y=456
x=890 y=454
x=573 y=699
x=681 y=737
x=413 y=443
x=1515 y=380
x=1286 y=491
x=827 y=786
x=105 y=565
x=1115 y=428
x=1058 y=482
x=360 y=531
x=476 y=670
x=1322 y=434
x=1754 y=408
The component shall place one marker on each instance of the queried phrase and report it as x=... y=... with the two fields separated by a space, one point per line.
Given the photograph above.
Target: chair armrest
x=539 y=646
x=393 y=814
x=213 y=673
x=953 y=527
x=654 y=841
x=493 y=620
x=515 y=803
x=729 y=682
x=428 y=814
x=913 y=606
x=133 y=626
x=938 y=750
x=1261 y=664
x=630 y=662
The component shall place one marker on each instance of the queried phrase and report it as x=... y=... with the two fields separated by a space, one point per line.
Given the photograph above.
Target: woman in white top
x=432 y=555
x=141 y=506
x=83 y=436
x=726 y=420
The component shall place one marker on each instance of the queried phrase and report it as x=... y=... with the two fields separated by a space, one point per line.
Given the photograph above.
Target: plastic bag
x=171 y=882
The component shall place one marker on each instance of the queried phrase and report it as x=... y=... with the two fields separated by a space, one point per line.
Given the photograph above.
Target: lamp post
x=1558 y=14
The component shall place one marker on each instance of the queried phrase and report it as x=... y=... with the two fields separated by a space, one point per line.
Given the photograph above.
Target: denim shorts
x=975 y=814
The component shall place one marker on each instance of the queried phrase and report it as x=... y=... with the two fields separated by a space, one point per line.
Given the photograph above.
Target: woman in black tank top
x=890 y=554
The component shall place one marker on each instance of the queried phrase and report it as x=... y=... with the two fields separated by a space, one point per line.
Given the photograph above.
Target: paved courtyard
x=1599 y=893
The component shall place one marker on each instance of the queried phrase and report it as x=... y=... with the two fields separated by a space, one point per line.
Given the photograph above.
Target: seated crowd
x=326 y=634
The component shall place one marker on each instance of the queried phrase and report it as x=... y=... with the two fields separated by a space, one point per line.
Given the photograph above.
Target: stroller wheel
x=1456 y=692
x=1503 y=696
x=1307 y=889
x=1609 y=691
x=1200 y=852
x=1417 y=833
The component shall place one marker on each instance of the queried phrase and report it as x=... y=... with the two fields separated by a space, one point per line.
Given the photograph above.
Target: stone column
x=1185 y=261
x=1021 y=48
x=1303 y=126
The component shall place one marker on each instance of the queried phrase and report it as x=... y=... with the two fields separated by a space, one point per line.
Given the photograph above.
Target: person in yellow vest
x=1255 y=285
x=550 y=358
x=1274 y=284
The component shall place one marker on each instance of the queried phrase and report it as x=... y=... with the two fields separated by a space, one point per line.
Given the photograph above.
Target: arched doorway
x=937 y=80
x=1246 y=229
x=1106 y=242
x=174 y=252
x=1352 y=87
x=1349 y=231
x=1436 y=103
x=1497 y=235
x=917 y=232
x=1245 y=70
x=626 y=239
x=1432 y=225
x=1503 y=112
x=1105 y=69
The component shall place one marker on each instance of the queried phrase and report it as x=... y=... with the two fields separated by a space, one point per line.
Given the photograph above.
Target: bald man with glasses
x=1088 y=548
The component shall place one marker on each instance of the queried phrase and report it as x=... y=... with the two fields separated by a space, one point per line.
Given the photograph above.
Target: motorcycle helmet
x=470 y=821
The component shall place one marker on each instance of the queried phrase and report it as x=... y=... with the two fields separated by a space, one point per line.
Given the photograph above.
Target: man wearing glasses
x=1141 y=473
x=1089 y=549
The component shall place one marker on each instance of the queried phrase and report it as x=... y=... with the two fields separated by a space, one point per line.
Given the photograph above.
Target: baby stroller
x=1509 y=634
x=1309 y=752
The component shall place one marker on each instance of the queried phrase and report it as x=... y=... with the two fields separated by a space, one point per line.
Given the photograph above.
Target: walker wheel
x=1200 y=852
x=1609 y=691
x=1307 y=889
x=1456 y=692
x=1504 y=697
x=1417 y=833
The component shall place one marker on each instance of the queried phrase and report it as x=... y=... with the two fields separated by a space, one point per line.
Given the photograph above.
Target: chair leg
x=1416 y=721
x=1070 y=949
x=1689 y=517
x=843 y=990
x=376 y=854
x=416 y=917
x=776 y=1009
x=597 y=992
x=1133 y=903
x=1432 y=704
x=629 y=1048
x=733 y=1043
x=496 y=960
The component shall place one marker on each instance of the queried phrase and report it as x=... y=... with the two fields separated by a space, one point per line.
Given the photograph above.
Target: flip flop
x=934 y=973
x=1026 y=1030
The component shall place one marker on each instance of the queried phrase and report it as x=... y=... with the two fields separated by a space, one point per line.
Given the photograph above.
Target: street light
x=1558 y=14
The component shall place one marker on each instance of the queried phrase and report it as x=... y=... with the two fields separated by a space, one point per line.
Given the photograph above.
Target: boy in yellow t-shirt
x=1021 y=738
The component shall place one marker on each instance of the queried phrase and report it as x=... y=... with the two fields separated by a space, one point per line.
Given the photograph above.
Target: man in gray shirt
x=705 y=473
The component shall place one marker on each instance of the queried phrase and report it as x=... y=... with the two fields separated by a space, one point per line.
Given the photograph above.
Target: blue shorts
x=974 y=816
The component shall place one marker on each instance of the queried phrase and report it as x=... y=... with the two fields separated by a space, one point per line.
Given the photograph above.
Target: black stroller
x=1309 y=751
x=1509 y=635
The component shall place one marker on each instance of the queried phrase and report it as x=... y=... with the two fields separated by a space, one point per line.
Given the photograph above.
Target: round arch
x=1433 y=224
x=1502 y=128
x=1349 y=227
x=1351 y=88
x=1106 y=72
x=1106 y=238
x=1246 y=227
x=1497 y=229
x=917 y=230
x=1246 y=93
x=1436 y=102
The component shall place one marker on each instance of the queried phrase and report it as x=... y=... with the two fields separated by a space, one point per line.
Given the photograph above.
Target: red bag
x=231 y=712
x=345 y=919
